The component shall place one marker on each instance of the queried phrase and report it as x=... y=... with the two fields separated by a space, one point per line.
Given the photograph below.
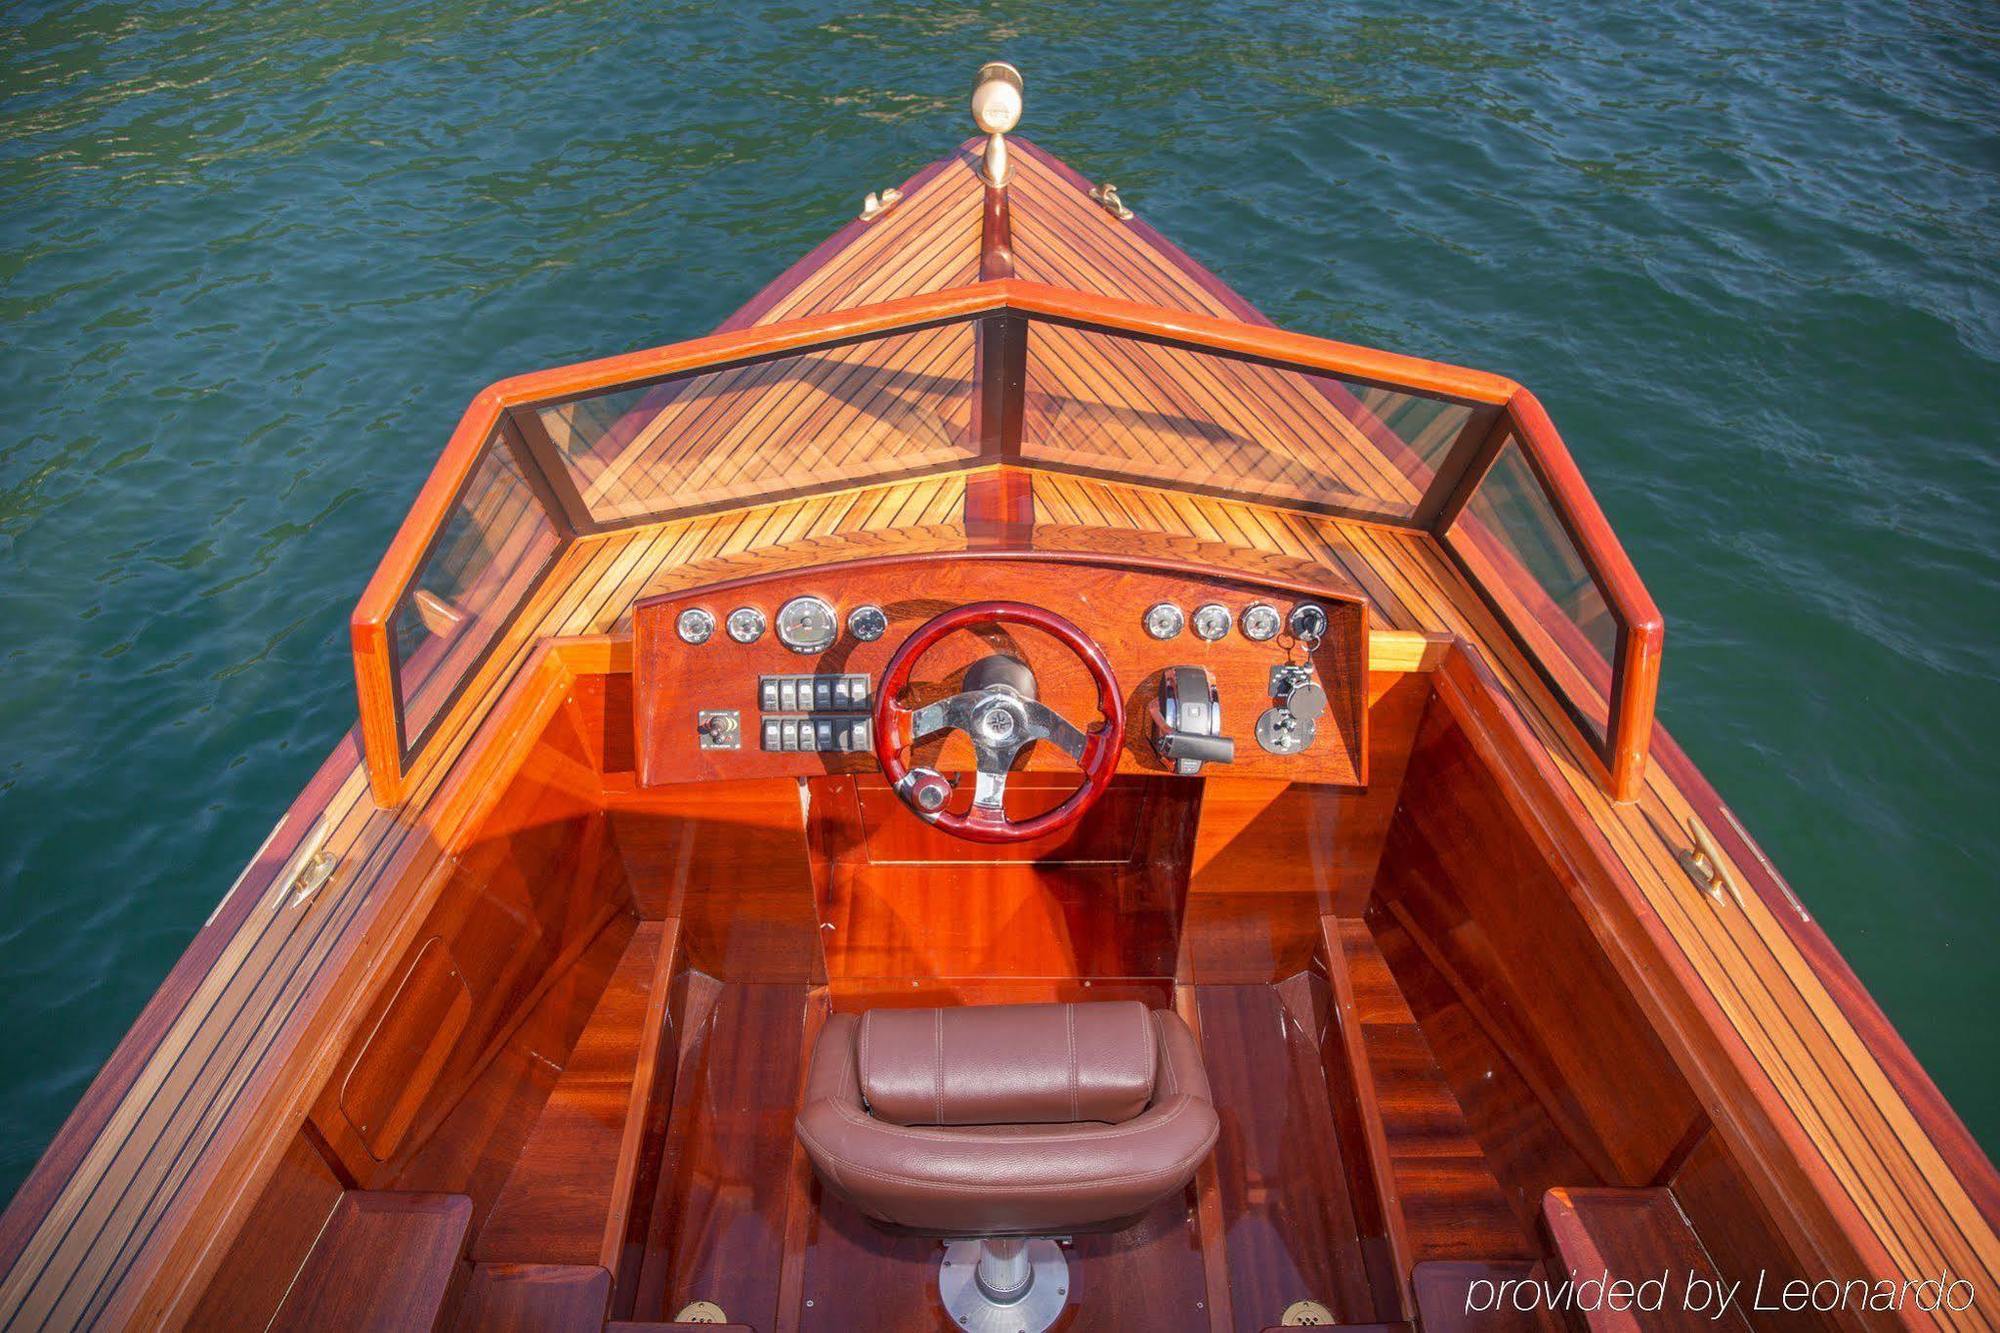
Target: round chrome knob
x=928 y=790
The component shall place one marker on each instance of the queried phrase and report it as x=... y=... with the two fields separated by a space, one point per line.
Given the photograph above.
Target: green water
x=257 y=257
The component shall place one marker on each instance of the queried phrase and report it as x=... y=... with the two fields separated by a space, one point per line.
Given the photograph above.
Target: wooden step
x=1637 y=1234
x=534 y=1298
x=568 y=1199
x=385 y=1260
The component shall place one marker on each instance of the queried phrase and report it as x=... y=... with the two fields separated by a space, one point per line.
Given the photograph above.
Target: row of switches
x=805 y=694
x=838 y=735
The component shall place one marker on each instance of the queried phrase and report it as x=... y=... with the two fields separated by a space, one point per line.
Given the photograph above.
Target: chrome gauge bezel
x=1211 y=621
x=1164 y=620
x=745 y=624
x=696 y=626
x=821 y=637
x=867 y=622
x=1261 y=622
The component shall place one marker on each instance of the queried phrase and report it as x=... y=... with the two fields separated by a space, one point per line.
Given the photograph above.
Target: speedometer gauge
x=807 y=625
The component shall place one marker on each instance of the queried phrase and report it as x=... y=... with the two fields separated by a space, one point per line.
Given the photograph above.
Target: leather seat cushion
x=1007 y=1064
x=1015 y=1179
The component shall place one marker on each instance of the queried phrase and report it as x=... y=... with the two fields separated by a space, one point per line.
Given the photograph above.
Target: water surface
x=255 y=258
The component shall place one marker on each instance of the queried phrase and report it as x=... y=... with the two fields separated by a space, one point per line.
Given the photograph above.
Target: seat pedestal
x=1014 y=1285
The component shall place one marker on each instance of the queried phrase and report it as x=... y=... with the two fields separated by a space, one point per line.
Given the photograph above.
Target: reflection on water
x=257 y=257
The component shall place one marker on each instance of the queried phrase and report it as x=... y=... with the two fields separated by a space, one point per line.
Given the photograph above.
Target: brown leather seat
x=1007 y=1120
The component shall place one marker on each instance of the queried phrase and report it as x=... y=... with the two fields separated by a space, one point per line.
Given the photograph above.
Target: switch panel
x=809 y=694
x=838 y=734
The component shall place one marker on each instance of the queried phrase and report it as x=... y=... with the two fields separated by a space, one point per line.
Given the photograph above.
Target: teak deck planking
x=182 y=1121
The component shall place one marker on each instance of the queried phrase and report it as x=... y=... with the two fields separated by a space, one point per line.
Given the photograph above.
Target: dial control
x=1164 y=620
x=719 y=728
x=1261 y=622
x=746 y=624
x=807 y=625
x=867 y=623
x=695 y=625
x=1211 y=622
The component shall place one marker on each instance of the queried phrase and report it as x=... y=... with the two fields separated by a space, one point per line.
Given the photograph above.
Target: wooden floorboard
x=1290 y=1225
x=719 y=1221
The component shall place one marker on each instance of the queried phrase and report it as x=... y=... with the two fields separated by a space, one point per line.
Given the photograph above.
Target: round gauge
x=695 y=625
x=1211 y=622
x=746 y=624
x=1308 y=621
x=1261 y=622
x=807 y=625
x=1164 y=620
x=867 y=623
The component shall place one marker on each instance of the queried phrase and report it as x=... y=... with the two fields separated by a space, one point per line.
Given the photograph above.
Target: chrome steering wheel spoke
x=1000 y=723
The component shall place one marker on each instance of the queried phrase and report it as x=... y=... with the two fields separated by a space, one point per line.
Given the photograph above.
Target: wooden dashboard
x=681 y=687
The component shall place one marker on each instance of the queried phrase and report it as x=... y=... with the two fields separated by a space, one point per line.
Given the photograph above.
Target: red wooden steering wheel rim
x=1101 y=746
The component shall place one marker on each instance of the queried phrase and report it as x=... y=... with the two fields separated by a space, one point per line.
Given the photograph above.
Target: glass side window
x=1515 y=544
x=485 y=560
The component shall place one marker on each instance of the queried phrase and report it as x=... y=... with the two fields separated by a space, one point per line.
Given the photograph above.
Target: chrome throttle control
x=1187 y=721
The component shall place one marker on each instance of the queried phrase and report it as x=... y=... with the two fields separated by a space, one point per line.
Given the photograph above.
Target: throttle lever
x=1187 y=718
x=1175 y=746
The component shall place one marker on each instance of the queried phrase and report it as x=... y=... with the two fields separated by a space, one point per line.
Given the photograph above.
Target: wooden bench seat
x=1635 y=1234
x=1443 y=1200
x=385 y=1260
x=568 y=1198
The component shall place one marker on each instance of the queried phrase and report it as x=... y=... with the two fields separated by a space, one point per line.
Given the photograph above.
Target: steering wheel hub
x=996 y=722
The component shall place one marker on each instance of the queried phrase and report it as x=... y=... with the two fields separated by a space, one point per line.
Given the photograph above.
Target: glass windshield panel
x=1116 y=406
x=484 y=562
x=892 y=406
x=1511 y=538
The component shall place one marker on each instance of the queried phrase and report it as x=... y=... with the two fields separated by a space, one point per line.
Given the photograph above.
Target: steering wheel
x=1000 y=719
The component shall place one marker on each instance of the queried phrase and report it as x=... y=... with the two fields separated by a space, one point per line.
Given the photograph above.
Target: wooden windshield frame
x=996 y=303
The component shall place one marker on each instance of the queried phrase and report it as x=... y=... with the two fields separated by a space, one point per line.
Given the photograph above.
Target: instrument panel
x=775 y=675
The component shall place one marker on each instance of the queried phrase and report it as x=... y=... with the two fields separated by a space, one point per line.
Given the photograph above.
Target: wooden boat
x=1348 y=928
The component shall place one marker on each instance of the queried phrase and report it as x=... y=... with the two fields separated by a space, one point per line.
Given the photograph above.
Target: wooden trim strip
x=1642 y=630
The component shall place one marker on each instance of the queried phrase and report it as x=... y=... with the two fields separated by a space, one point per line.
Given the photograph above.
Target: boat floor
x=734 y=1215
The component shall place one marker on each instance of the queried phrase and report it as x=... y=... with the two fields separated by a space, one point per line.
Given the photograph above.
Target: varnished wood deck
x=180 y=1125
